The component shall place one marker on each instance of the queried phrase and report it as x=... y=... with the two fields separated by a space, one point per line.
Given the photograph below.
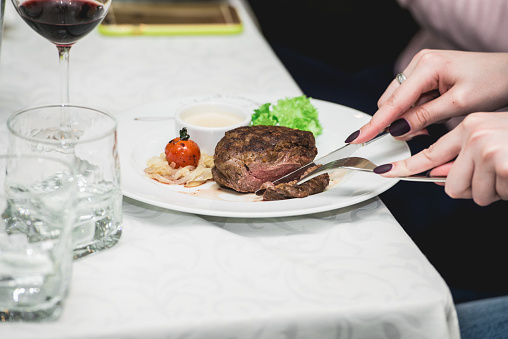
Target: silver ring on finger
x=401 y=78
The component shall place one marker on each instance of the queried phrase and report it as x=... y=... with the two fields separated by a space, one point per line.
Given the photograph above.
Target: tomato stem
x=183 y=134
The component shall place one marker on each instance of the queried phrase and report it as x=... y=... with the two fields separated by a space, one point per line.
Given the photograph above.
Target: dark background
x=337 y=50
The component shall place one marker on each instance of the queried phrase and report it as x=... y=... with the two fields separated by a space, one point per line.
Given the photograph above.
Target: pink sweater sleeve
x=469 y=25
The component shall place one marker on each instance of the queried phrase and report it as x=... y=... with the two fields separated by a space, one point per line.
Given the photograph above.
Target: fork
x=360 y=164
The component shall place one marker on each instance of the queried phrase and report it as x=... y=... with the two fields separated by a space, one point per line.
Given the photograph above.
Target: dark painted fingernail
x=383 y=168
x=352 y=137
x=399 y=127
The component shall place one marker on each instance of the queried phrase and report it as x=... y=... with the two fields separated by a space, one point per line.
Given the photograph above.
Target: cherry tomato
x=182 y=151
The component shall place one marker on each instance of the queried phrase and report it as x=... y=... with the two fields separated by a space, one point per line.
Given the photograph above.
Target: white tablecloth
x=347 y=273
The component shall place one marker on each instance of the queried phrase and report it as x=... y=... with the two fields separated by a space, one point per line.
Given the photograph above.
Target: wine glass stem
x=63 y=52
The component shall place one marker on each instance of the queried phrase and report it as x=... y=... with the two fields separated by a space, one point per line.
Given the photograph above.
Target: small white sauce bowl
x=207 y=122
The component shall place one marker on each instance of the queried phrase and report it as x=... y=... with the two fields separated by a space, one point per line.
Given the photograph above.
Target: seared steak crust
x=248 y=156
x=289 y=190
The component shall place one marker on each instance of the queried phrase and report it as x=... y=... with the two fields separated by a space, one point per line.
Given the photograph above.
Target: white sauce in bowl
x=207 y=122
x=212 y=119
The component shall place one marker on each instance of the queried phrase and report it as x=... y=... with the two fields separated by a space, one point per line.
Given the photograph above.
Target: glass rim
x=103 y=135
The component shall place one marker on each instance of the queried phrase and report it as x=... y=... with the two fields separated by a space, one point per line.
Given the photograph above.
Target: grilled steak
x=289 y=190
x=248 y=156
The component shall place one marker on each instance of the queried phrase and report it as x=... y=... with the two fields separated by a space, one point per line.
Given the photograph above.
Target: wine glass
x=63 y=22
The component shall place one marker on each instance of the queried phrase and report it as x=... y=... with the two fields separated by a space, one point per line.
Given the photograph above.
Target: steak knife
x=343 y=152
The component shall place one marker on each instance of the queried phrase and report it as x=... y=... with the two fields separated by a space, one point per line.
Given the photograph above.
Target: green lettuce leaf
x=297 y=112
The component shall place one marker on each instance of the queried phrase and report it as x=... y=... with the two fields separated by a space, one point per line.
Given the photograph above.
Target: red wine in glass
x=62 y=22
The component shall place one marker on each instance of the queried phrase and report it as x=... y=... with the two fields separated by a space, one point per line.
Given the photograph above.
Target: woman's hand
x=439 y=85
x=473 y=156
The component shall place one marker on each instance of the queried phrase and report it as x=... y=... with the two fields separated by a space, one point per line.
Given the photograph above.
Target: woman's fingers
x=419 y=87
x=388 y=92
x=435 y=109
x=394 y=85
x=502 y=184
x=426 y=97
x=480 y=167
x=458 y=182
x=439 y=85
x=483 y=184
x=411 y=120
x=441 y=171
x=443 y=151
x=397 y=104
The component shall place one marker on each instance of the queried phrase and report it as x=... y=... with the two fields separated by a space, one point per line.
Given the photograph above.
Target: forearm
x=473 y=25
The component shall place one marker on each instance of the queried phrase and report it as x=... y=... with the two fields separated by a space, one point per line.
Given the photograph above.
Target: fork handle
x=419 y=178
x=422 y=178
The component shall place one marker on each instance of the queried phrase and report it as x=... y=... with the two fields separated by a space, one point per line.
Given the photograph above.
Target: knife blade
x=342 y=152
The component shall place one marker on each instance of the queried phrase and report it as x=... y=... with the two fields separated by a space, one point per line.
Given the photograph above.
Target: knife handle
x=348 y=149
x=377 y=137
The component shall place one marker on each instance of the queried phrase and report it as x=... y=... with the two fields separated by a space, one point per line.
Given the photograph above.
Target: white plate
x=140 y=140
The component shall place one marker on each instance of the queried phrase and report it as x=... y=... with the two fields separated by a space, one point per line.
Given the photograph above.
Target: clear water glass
x=88 y=139
x=37 y=196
